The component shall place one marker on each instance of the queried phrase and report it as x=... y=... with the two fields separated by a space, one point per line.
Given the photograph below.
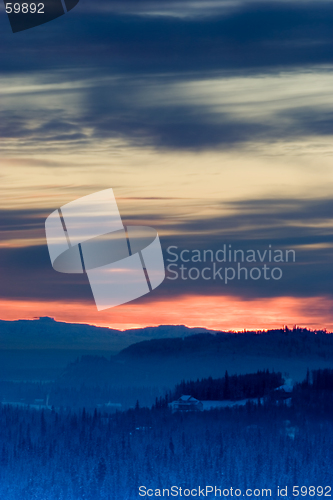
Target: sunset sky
x=210 y=120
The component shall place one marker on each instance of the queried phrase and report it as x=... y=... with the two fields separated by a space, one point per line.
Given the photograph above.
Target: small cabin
x=280 y=395
x=284 y=391
x=186 y=403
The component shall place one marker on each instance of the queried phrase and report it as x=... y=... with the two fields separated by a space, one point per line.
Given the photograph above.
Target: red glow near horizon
x=216 y=313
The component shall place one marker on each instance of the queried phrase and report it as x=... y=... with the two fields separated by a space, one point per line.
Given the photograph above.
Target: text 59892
x=25 y=8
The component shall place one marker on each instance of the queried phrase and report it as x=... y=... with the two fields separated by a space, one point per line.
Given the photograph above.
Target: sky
x=210 y=120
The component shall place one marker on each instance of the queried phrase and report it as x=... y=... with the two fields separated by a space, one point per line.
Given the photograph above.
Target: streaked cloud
x=219 y=112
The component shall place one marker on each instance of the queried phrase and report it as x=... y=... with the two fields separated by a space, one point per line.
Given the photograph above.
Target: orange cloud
x=219 y=313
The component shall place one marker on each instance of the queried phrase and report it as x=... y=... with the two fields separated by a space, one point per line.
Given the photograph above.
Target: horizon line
x=285 y=327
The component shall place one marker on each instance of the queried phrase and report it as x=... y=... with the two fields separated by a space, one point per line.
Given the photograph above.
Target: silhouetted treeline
x=32 y=393
x=283 y=341
x=232 y=387
x=322 y=380
x=315 y=394
x=92 y=456
x=51 y=455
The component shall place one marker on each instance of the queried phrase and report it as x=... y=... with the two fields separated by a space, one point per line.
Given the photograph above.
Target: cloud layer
x=151 y=100
x=285 y=224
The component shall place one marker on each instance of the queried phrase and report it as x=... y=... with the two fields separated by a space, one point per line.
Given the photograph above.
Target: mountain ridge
x=47 y=333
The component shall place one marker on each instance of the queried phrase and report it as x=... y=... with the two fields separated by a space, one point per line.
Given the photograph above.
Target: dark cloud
x=176 y=127
x=304 y=226
x=195 y=128
x=284 y=224
x=253 y=36
x=21 y=220
x=121 y=110
x=27 y=275
x=118 y=55
x=307 y=120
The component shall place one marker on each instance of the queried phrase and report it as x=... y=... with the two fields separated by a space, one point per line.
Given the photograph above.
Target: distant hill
x=40 y=349
x=46 y=333
x=167 y=361
x=301 y=343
